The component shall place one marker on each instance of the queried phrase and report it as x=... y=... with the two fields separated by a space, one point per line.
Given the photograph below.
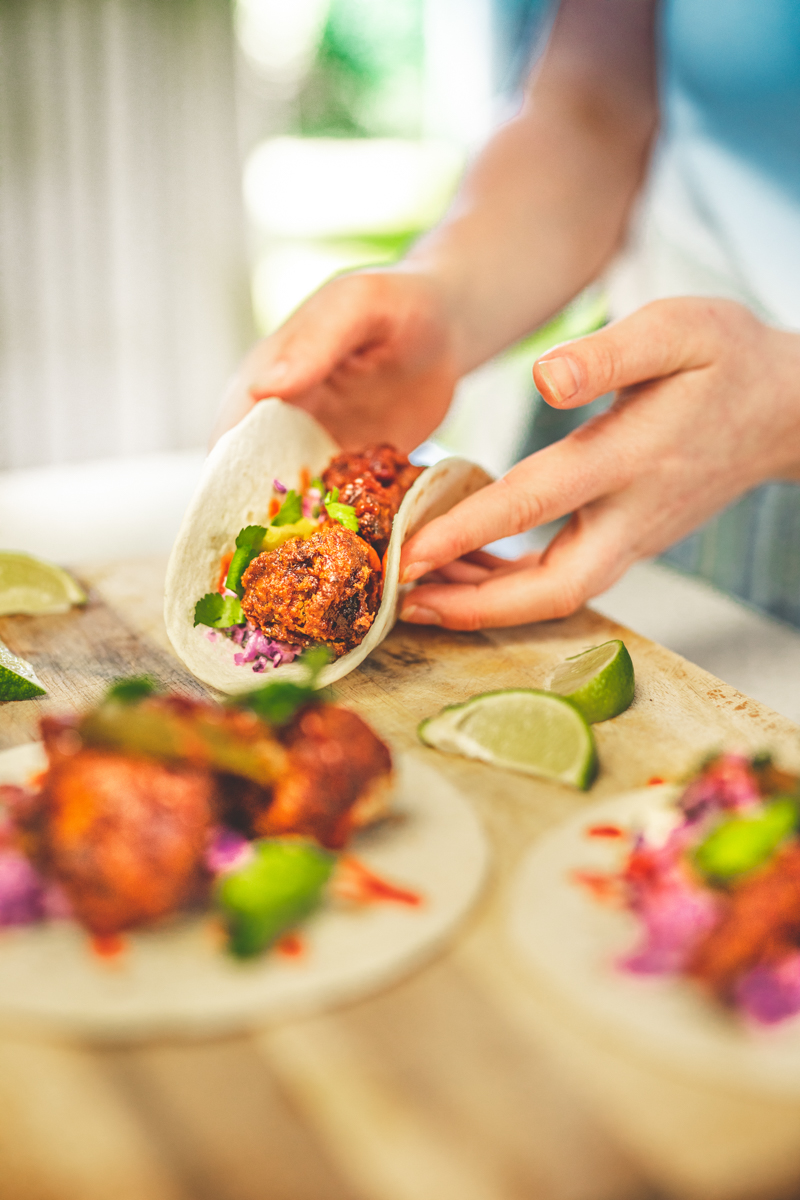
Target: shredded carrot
x=274 y=507
x=374 y=561
x=654 y=781
x=224 y=567
x=305 y=479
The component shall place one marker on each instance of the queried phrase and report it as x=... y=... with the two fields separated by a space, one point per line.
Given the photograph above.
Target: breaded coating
x=124 y=836
x=324 y=588
x=760 y=924
x=374 y=482
x=338 y=777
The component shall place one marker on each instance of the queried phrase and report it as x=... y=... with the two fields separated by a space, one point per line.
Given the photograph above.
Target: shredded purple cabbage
x=769 y=994
x=727 y=785
x=25 y=897
x=677 y=907
x=258 y=649
x=311 y=502
x=675 y=913
x=279 y=487
x=227 y=850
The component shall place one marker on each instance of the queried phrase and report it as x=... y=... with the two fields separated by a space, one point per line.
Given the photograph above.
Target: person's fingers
x=460 y=571
x=586 y=557
x=483 y=558
x=657 y=340
x=336 y=325
x=548 y=485
x=475 y=567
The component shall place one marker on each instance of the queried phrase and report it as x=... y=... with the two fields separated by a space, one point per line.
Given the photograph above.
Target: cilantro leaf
x=290 y=511
x=345 y=514
x=248 y=546
x=218 y=612
x=130 y=691
x=251 y=536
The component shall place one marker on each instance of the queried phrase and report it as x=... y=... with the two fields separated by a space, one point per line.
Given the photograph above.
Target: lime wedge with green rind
x=600 y=681
x=523 y=729
x=29 y=585
x=17 y=678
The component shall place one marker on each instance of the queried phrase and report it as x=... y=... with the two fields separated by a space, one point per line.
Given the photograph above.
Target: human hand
x=708 y=407
x=370 y=355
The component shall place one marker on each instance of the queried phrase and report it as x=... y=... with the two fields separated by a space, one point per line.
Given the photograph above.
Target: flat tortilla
x=178 y=982
x=571 y=943
x=278 y=441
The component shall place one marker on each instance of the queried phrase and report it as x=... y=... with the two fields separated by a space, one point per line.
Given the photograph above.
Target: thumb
x=659 y=339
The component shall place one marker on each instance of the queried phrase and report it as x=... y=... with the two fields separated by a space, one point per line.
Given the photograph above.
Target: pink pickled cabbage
x=769 y=994
x=259 y=649
x=726 y=785
x=25 y=897
x=227 y=850
x=673 y=908
x=312 y=499
x=279 y=487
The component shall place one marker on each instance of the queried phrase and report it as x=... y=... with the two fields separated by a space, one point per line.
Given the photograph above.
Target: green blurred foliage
x=366 y=80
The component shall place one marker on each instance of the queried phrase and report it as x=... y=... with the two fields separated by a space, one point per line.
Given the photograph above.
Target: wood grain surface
x=437 y=1088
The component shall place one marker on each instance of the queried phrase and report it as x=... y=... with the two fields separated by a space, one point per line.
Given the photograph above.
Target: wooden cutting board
x=437 y=1088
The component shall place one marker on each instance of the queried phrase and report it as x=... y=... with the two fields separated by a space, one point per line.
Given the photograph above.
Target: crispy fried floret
x=761 y=922
x=320 y=589
x=374 y=482
x=386 y=465
x=338 y=777
x=374 y=509
x=124 y=836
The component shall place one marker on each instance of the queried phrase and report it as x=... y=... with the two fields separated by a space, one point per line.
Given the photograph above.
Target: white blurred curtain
x=124 y=301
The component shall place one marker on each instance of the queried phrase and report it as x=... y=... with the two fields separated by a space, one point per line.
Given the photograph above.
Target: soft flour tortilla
x=179 y=982
x=278 y=441
x=571 y=942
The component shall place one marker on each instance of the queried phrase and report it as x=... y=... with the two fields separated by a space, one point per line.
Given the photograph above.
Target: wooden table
x=436 y=1089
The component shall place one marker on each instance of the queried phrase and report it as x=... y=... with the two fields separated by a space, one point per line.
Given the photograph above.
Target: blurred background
x=177 y=175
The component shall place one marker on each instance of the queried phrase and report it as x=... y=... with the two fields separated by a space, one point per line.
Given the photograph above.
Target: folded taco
x=289 y=543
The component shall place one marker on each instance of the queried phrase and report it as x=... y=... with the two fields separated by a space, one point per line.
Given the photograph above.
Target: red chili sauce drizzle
x=605 y=831
x=601 y=887
x=108 y=945
x=356 y=882
x=291 y=945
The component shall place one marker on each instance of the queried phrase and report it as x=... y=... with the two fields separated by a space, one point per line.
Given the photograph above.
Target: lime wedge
x=523 y=729
x=599 y=681
x=17 y=678
x=28 y=585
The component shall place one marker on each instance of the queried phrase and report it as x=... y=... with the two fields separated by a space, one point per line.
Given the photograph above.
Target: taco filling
x=312 y=573
x=717 y=889
x=155 y=806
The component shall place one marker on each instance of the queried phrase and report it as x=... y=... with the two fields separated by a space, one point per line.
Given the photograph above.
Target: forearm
x=547 y=202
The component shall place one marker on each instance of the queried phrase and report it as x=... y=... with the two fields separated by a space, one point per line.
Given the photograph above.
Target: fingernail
x=561 y=376
x=415 y=571
x=420 y=616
